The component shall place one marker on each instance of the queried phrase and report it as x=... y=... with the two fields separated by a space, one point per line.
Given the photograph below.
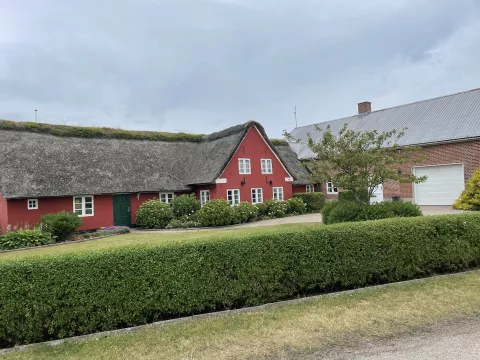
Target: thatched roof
x=298 y=170
x=40 y=164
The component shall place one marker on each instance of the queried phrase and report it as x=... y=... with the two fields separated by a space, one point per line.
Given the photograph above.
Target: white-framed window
x=278 y=193
x=83 y=205
x=257 y=195
x=166 y=197
x=310 y=188
x=244 y=166
x=32 y=204
x=204 y=196
x=266 y=166
x=233 y=196
x=331 y=189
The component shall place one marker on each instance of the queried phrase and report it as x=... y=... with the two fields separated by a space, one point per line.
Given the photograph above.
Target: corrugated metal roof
x=447 y=118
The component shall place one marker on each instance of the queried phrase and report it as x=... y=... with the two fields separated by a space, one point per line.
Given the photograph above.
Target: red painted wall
x=18 y=214
x=254 y=148
x=3 y=215
x=299 y=189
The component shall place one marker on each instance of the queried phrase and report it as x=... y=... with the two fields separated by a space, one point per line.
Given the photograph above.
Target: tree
x=469 y=199
x=360 y=161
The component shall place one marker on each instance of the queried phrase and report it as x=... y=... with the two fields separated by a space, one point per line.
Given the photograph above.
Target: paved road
x=460 y=340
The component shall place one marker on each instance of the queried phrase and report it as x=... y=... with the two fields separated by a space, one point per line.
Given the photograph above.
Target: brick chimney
x=364 y=107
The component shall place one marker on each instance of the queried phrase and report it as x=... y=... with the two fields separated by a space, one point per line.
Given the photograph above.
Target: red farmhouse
x=104 y=175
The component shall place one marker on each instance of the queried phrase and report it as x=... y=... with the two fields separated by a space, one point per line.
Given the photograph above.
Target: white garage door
x=443 y=185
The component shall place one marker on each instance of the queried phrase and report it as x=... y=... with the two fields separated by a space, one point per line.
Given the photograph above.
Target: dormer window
x=244 y=166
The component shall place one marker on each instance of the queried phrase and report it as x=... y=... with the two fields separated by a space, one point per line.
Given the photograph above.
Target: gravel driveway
x=458 y=340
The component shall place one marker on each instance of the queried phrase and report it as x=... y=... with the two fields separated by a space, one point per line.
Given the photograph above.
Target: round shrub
x=402 y=209
x=313 y=200
x=24 y=238
x=296 y=206
x=276 y=209
x=154 y=214
x=346 y=195
x=244 y=212
x=327 y=209
x=469 y=199
x=215 y=213
x=185 y=205
x=262 y=209
x=60 y=225
x=347 y=211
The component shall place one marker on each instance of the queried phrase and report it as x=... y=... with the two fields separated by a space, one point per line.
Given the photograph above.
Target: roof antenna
x=295 y=113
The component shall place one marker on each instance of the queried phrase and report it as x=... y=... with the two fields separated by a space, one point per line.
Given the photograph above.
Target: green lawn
x=146 y=237
x=279 y=331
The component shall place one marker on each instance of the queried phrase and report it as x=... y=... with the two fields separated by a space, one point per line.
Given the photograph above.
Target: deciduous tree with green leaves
x=360 y=161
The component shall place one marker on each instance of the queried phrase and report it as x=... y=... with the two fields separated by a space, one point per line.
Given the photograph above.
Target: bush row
x=184 y=211
x=350 y=211
x=71 y=294
x=314 y=201
x=53 y=228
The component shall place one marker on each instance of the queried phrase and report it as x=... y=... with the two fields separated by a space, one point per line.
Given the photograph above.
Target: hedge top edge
x=223 y=237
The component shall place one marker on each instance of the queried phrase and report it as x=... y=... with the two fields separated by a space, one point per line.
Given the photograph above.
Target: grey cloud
x=201 y=66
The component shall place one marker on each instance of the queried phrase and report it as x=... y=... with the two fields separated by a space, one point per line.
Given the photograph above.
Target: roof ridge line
x=393 y=107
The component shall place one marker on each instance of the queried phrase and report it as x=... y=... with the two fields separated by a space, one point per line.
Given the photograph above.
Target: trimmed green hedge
x=313 y=200
x=57 y=296
x=350 y=211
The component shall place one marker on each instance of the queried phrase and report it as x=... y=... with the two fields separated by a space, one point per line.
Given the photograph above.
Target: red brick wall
x=254 y=148
x=467 y=153
x=3 y=215
x=18 y=213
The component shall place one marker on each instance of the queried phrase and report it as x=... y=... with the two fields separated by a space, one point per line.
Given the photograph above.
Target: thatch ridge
x=98 y=132
x=38 y=163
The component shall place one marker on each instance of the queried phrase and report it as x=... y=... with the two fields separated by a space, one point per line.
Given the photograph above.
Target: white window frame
x=278 y=193
x=167 y=199
x=231 y=193
x=267 y=166
x=310 y=188
x=258 y=192
x=34 y=205
x=204 y=196
x=244 y=166
x=83 y=205
x=331 y=189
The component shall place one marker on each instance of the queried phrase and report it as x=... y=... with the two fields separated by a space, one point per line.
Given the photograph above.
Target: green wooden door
x=121 y=210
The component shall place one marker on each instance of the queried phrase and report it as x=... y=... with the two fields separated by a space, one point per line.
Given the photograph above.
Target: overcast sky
x=204 y=65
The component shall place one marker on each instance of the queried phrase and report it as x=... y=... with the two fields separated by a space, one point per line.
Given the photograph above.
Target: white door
x=377 y=195
x=443 y=185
